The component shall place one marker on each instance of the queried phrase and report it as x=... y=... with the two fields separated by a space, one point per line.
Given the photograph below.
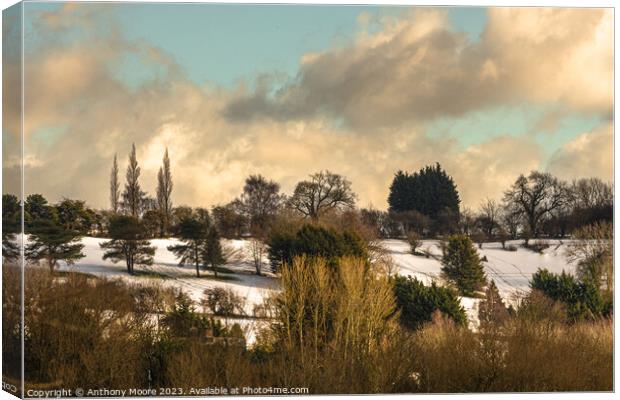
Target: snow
x=244 y=282
x=511 y=270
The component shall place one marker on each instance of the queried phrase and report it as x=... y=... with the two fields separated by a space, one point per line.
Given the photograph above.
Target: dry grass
x=335 y=331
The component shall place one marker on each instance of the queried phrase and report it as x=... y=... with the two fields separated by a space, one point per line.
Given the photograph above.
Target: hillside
x=511 y=270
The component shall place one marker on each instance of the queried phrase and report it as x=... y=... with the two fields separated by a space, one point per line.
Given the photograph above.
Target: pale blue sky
x=228 y=44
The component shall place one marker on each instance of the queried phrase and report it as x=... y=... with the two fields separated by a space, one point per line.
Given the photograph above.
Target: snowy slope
x=511 y=270
x=254 y=288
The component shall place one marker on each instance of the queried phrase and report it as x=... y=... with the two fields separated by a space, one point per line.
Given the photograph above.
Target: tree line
x=425 y=203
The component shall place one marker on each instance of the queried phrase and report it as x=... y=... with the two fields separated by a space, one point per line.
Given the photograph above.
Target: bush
x=462 y=265
x=528 y=356
x=415 y=241
x=417 y=303
x=314 y=241
x=583 y=300
x=225 y=302
x=338 y=332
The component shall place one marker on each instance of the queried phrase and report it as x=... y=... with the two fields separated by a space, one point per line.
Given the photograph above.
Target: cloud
x=590 y=154
x=487 y=169
x=357 y=111
x=415 y=68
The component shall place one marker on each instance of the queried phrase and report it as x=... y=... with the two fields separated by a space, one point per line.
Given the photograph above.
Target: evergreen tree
x=193 y=233
x=133 y=196
x=129 y=243
x=52 y=242
x=314 y=241
x=212 y=250
x=583 y=299
x=417 y=303
x=36 y=208
x=430 y=191
x=74 y=215
x=462 y=265
x=401 y=194
x=164 y=193
x=115 y=189
x=11 y=225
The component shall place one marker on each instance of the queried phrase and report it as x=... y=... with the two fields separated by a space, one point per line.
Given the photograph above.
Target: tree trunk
x=196 y=261
x=214 y=269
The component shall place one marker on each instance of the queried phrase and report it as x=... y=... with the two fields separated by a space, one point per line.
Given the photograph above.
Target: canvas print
x=251 y=199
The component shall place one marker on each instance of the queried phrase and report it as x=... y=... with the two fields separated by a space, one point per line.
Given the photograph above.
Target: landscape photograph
x=250 y=199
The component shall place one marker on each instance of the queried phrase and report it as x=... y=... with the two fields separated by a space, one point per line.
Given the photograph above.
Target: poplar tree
x=164 y=192
x=115 y=189
x=133 y=195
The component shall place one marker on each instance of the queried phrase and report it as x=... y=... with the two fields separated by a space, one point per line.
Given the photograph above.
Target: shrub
x=314 y=241
x=336 y=331
x=226 y=302
x=417 y=303
x=583 y=300
x=462 y=265
x=593 y=254
x=492 y=310
x=528 y=356
x=415 y=241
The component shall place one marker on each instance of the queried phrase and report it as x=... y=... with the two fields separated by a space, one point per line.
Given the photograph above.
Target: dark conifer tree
x=129 y=243
x=52 y=242
x=212 y=254
x=193 y=233
x=430 y=191
x=462 y=265
x=11 y=225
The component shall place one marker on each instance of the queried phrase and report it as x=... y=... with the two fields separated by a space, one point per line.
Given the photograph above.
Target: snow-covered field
x=244 y=281
x=511 y=270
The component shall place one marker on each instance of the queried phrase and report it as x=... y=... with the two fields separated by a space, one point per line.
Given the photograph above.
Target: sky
x=286 y=91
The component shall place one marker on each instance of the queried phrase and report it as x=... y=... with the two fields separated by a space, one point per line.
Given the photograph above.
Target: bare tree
x=536 y=197
x=510 y=219
x=488 y=219
x=258 y=248
x=164 y=194
x=467 y=221
x=592 y=192
x=259 y=202
x=115 y=190
x=593 y=252
x=324 y=191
